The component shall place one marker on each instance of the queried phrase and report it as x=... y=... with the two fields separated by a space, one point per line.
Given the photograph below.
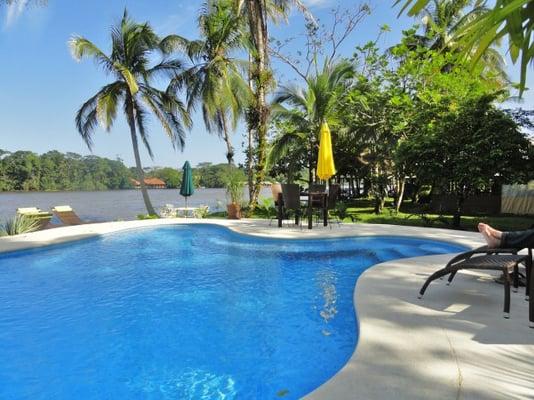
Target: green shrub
x=266 y=206
x=18 y=225
x=341 y=210
x=201 y=212
x=145 y=216
x=234 y=182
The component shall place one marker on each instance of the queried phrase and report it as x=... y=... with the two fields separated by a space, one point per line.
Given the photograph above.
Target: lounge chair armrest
x=494 y=250
x=503 y=250
x=480 y=250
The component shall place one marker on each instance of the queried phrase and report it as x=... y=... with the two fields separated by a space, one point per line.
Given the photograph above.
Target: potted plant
x=234 y=183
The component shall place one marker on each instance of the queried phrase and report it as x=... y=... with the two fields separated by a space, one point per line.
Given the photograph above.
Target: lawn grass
x=361 y=211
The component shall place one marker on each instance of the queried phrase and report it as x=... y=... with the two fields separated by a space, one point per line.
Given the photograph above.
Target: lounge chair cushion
x=62 y=208
x=28 y=210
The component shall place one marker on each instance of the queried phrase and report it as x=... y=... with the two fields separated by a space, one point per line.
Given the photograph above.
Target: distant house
x=150 y=183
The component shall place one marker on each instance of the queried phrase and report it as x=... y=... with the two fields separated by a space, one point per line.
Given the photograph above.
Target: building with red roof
x=150 y=183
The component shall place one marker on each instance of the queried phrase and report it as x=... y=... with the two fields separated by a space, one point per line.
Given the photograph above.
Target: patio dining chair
x=331 y=201
x=291 y=203
x=276 y=190
x=333 y=195
x=316 y=188
x=484 y=258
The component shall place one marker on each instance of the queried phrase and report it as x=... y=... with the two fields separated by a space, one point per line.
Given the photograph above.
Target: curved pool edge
x=252 y=227
x=452 y=344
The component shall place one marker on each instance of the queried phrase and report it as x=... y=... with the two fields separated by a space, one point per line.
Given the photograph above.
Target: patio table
x=307 y=198
x=184 y=211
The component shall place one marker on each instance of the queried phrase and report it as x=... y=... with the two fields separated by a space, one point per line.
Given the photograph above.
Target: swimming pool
x=183 y=312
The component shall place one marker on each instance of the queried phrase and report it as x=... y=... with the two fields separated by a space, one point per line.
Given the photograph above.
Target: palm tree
x=444 y=19
x=308 y=109
x=257 y=13
x=511 y=19
x=133 y=45
x=216 y=81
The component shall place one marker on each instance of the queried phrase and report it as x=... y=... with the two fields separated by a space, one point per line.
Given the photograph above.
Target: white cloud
x=14 y=10
x=318 y=3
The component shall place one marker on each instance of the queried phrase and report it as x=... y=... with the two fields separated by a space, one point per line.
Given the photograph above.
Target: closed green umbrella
x=187 y=188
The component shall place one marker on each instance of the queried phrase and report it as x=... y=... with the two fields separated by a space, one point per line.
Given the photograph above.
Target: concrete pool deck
x=453 y=344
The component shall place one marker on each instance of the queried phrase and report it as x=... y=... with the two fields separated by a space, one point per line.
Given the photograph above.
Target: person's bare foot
x=490 y=235
x=492 y=231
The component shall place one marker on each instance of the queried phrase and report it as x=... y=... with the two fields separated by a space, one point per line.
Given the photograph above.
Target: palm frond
x=88 y=116
x=81 y=47
x=173 y=43
x=293 y=116
x=282 y=144
x=166 y=68
x=291 y=94
x=107 y=103
x=86 y=120
x=171 y=113
x=141 y=117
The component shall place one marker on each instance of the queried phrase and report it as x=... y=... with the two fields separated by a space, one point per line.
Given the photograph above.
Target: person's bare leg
x=490 y=235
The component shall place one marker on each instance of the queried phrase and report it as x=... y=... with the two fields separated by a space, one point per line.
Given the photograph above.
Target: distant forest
x=54 y=171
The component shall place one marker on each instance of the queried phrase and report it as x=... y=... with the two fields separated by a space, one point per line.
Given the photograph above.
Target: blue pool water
x=183 y=312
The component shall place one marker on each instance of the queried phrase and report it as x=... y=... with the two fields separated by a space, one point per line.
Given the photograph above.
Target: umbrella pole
x=185 y=206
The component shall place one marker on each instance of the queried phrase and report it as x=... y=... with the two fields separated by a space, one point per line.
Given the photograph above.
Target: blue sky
x=42 y=86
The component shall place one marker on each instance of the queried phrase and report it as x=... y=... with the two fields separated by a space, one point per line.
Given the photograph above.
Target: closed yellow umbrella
x=325 y=164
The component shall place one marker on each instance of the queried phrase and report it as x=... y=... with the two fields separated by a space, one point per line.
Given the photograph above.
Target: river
x=111 y=205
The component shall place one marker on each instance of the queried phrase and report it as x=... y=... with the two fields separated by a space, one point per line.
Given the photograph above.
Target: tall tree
x=133 y=46
x=468 y=151
x=257 y=13
x=444 y=19
x=216 y=81
x=510 y=19
x=308 y=109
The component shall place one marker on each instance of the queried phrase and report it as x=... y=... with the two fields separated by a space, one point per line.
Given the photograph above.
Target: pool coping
x=452 y=344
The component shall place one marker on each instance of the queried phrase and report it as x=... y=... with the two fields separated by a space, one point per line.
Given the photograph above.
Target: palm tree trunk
x=250 y=165
x=400 y=192
x=140 y=174
x=258 y=29
x=310 y=163
x=227 y=140
x=250 y=149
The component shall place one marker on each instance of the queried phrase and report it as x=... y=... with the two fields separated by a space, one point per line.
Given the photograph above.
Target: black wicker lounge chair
x=484 y=258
